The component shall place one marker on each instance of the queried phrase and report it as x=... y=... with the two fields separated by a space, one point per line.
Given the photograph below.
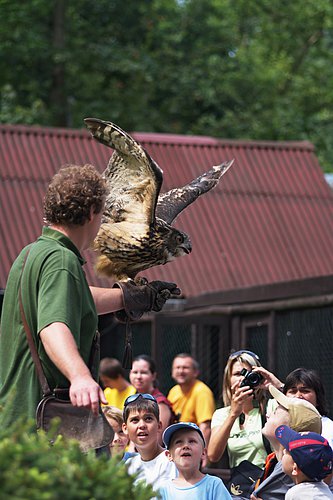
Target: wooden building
x=260 y=274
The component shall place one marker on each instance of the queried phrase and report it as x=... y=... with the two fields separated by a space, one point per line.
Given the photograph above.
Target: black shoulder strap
x=265 y=440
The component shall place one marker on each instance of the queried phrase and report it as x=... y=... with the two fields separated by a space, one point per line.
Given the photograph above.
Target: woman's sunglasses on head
x=236 y=354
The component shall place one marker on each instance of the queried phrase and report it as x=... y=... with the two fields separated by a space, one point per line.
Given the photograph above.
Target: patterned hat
x=311 y=451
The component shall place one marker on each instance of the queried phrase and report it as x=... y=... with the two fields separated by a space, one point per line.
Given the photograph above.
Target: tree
x=30 y=468
x=254 y=70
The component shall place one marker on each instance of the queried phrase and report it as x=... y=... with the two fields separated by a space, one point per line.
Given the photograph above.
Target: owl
x=136 y=232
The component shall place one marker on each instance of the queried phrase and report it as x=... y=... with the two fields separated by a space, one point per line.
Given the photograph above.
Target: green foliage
x=30 y=468
x=248 y=70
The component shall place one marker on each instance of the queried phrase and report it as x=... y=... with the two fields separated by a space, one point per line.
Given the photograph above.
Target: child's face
x=279 y=416
x=288 y=464
x=186 y=449
x=142 y=428
x=120 y=440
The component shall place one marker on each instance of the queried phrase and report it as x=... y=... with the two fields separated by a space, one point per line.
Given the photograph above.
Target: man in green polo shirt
x=61 y=309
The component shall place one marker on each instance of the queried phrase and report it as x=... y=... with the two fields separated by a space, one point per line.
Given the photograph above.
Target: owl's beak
x=187 y=247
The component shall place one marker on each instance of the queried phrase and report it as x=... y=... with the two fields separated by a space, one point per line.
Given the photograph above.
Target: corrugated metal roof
x=269 y=220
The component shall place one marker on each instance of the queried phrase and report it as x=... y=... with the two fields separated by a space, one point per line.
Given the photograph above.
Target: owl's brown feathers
x=136 y=231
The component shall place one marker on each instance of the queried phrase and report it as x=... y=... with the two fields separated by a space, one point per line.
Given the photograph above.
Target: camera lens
x=254 y=378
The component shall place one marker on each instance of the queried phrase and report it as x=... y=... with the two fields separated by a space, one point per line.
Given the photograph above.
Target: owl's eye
x=179 y=239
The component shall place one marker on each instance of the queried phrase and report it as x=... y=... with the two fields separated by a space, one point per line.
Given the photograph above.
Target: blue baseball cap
x=311 y=451
x=169 y=431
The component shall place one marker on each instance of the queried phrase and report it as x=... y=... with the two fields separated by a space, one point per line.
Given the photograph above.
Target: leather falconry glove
x=142 y=298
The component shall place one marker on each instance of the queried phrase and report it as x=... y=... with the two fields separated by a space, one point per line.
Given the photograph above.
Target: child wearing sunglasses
x=143 y=427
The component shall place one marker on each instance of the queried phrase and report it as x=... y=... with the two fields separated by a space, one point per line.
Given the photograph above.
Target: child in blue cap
x=307 y=459
x=187 y=448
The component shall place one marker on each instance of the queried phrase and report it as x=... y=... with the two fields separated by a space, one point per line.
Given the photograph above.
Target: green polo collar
x=63 y=240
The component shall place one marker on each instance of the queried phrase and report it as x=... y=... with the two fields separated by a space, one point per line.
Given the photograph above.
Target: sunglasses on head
x=236 y=354
x=134 y=397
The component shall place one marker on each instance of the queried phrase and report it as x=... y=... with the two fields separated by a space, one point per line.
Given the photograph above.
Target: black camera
x=252 y=379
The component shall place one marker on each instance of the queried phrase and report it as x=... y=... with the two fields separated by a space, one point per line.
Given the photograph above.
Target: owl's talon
x=141 y=281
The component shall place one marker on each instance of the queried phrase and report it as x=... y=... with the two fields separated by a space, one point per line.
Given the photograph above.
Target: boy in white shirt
x=307 y=459
x=143 y=427
x=187 y=448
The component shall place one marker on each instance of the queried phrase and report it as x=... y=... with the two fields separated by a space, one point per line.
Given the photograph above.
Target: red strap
x=270 y=463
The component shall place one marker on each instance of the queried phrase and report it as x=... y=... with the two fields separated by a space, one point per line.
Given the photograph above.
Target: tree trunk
x=58 y=97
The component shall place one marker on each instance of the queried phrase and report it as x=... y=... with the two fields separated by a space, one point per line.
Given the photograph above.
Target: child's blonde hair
x=113 y=412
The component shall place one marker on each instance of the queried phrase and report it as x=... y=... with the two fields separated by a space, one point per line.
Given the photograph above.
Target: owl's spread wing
x=133 y=176
x=130 y=238
x=171 y=203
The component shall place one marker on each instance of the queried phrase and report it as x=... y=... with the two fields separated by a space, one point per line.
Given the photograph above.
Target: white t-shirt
x=327 y=430
x=154 y=472
x=309 y=491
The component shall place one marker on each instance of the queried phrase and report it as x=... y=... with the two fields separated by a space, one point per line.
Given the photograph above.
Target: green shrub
x=32 y=469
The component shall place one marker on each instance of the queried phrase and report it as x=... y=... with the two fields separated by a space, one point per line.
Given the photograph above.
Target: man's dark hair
x=309 y=378
x=112 y=368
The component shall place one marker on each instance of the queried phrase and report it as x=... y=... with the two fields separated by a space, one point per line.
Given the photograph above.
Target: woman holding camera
x=237 y=426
